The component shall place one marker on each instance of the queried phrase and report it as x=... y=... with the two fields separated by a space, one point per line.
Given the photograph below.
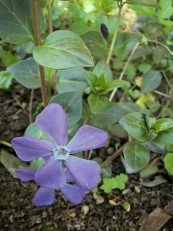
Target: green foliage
x=163 y=124
x=16 y=24
x=5 y=79
x=140 y=70
x=26 y=72
x=61 y=50
x=34 y=131
x=117 y=182
x=138 y=126
x=72 y=104
x=168 y=163
x=152 y=79
x=73 y=79
x=136 y=157
x=11 y=163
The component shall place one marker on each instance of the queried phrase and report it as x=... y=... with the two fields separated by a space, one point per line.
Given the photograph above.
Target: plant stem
x=124 y=69
x=111 y=158
x=38 y=43
x=49 y=8
x=30 y=105
x=115 y=35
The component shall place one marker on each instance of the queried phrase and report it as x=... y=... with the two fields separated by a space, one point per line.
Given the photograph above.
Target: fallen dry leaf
x=157 y=181
x=155 y=220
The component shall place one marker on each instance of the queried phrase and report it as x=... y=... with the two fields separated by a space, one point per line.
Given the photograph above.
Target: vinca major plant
x=101 y=78
x=61 y=167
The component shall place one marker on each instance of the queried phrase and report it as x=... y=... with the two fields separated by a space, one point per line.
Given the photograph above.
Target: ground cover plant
x=86 y=114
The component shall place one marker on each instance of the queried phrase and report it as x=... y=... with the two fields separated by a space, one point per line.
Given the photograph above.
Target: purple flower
x=46 y=196
x=58 y=153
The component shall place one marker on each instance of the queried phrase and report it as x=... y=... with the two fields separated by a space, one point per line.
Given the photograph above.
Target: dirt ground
x=17 y=212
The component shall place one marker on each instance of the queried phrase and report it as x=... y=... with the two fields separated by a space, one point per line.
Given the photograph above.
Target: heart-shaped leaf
x=72 y=104
x=62 y=50
x=16 y=23
x=136 y=157
x=26 y=73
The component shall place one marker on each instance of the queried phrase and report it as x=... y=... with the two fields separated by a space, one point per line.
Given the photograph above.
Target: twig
x=49 y=8
x=111 y=158
x=124 y=69
x=162 y=94
x=114 y=37
x=38 y=43
x=161 y=44
x=30 y=105
x=166 y=78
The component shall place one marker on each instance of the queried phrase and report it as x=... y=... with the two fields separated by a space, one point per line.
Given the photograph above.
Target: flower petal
x=29 y=148
x=86 y=172
x=69 y=177
x=86 y=138
x=43 y=197
x=25 y=174
x=52 y=120
x=73 y=193
x=51 y=175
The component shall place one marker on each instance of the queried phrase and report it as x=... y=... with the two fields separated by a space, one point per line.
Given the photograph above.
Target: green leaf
x=165 y=9
x=165 y=139
x=126 y=206
x=11 y=163
x=135 y=125
x=34 y=131
x=5 y=79
x=95 y=43
x=117 y=182
x=62 y=50
x=149 y=3
x=100 y=85
x=16 y=24
x=168 y=163
x=163 y=124
x=103 y=69
x=8 y=58
x=26 y=73
x=152 y=79
x=106 y=113
x=37 y=164
x=72 y=105
x=136 y=157
x=130 y=71
x=73 y=79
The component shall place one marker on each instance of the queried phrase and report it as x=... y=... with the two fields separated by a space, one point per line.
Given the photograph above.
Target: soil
x=17 y=212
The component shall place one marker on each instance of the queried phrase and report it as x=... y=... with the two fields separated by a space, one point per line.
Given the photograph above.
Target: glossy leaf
x=72 y=104
x=106 y=113
x=73 y=79
x=62 y=50
x=168 y=163
x=5 y=79
x=117 y=182
x=102 y=68
x=135 y=157
x=135 y=125
x=26 y=73
x=152 y=79
x=16 y=24
x=163 y=124
x=11 y=163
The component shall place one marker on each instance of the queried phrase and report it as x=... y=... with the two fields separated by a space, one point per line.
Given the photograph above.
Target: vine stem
x=49 y=8
x=120 y=6
x=124 y=69
x=38 y=43
x=114 y=38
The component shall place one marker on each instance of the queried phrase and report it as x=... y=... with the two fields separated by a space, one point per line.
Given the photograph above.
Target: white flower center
x=60 y=153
